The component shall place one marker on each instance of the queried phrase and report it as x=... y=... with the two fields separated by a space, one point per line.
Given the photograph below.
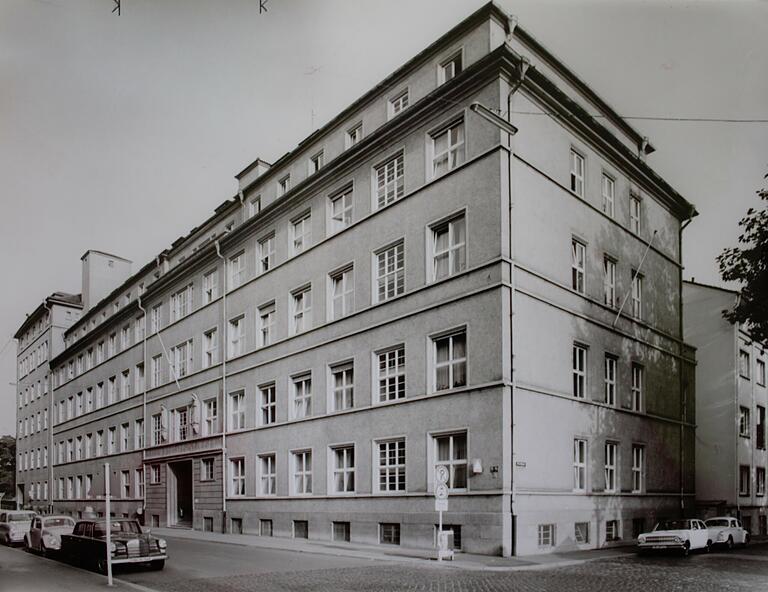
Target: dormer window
x=354 y=135
x=283 y=185
x=398 y=103
x=451 y=67
x=316 y=162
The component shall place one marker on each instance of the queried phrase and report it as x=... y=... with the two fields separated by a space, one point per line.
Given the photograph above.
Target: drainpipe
x=49 y=387
x=145 y=423
x=223 y=390
x=736 y=465
x=683 y=391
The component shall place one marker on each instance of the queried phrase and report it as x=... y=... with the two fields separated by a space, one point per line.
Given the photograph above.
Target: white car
x=727 y=531
x=45 y=533
x=680 y=535
x=14 y=525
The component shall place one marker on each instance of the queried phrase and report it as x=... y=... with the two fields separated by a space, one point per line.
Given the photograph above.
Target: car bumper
x=16 y=537
x=142 y=559
x=661 y=546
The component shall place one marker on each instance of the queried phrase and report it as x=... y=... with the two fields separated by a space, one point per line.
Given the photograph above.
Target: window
x=390 y=181
x=610 y=380
x=210 y=348
x=392 y=465
x=610 y=466
x=138 y=378
x=638 y=468
x=449 y=248
x=340 y=210
x=267 y=253
x=181 y=303
x=342 y=386
x=210 y=286
x=546 y=535
x=354 y=135
x=447 y=148
x=266 y=323
x=398 y=103
x=237 y=471
x=744 y=423
x=268 y=478
x=302 y=472
x=236 y=270
x=391 y=374
x=760 y=428
x=389 y=533
x=156 y=370
x=182 y=359
x=450 y=359
x=341 y=531
x=342 y=288
x=744 y=364
x=343 y=469
x=206 y=469
x=451 y=451
x=268 y=404
x=157 y=429
x=581 y=532
x=609 y=190
x=578 y=260
x=254 y=206
x=111 y=349
x=283 y=185
x=237 y=410
x=154 y=475
x=154 y=320
x=236 y=336
x=637 y=387
x=302 y=396
x=300 y=529
x=609 y=281
x=316 y=162
x=450 y=68
x=634 y=214
x=210 y=416
x=577 y=173
x=638 y=527
x=301 y=310
x=637 y=295
x=265 y=527
x=760 y=481
x=579 y=465
x=301 y=233
x=390 y=272
x=181 y=424
x=99 y=444
x=760 y=372
x=125 y=437
x=138 y=434
x=579 y=371
x=612 y=532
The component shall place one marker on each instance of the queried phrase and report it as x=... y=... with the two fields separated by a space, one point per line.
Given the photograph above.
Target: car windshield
x=116 y=527
x=53 y=522
x=20 y=517
x=674 y=525
x=716 y=523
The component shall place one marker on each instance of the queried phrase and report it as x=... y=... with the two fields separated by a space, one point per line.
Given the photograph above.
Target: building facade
x=730 y=410
x=39 y=339
x=414 y=285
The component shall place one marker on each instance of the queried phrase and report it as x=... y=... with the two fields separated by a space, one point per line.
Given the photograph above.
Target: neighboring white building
x=731 y=403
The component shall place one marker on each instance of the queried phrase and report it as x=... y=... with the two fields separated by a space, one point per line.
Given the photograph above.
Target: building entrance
x=180 y=494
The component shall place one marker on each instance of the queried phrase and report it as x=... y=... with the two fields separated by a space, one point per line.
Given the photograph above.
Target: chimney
x=102 y=273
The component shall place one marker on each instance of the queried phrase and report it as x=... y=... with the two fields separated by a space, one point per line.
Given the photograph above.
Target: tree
x=8 y=466
x=747 y=264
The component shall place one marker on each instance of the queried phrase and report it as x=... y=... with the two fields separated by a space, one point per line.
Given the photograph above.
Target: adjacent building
x=731 y=401
x=464 y=268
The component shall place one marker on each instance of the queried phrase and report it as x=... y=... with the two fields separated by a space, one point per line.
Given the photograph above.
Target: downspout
x=737 y=376
x=49 y=386
x=683 y=391
x=145 y=423
x=223 y=390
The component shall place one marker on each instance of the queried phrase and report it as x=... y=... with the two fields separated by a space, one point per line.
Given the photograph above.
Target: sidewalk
x=399 y=554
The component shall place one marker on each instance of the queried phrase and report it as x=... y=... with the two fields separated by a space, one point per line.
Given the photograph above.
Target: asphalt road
x=203 y=566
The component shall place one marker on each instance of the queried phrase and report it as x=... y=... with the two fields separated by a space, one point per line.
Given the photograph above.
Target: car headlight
x=678 y=539
x=641 y=539
x=112 y=548
x=161 y=544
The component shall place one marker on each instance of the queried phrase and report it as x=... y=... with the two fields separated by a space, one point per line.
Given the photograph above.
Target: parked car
x=87 y=545
x=45 y=532
x=14 y=525
x=726 y=531
x=680 y=535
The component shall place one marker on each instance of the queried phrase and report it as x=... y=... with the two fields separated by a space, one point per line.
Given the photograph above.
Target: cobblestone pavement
x=699 y=573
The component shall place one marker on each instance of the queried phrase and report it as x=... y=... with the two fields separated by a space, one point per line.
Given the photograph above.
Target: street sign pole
x=108 y=518
x=442 y=475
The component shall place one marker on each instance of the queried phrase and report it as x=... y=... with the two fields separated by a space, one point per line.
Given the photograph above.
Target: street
x=205 y=566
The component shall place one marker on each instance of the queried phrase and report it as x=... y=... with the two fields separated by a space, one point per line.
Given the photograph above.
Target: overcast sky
x=123 y=133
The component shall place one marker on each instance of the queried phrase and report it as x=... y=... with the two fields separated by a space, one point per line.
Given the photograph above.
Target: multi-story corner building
x=414 y=285
x=39 y=339
x=731 y=402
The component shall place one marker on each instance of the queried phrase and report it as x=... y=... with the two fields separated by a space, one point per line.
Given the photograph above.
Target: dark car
x=87 y=545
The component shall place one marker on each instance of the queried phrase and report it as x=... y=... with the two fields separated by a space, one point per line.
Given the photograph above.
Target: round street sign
x=441 y=491
x=442 y=474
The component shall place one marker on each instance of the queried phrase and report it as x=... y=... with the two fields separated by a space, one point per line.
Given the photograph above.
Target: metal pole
x=108 y=517
x=439 y=536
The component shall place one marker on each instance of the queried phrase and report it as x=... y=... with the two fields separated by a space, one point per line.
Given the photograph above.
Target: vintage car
x=726 y=531
x=679 y=535
x=14 y=525
x=45 y=532
x=87 y=545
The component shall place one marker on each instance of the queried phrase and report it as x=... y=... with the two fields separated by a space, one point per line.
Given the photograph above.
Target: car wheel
x=101 y=565
x=746 y=540
x=7 y=540
x=157 y=564
x=729 y=543
x=43 y=549
x=686 y=548
x=27 y=546
x=708 y=548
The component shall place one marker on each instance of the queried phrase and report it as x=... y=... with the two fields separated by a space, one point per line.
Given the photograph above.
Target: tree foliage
x=8 y=465
x=747 y=264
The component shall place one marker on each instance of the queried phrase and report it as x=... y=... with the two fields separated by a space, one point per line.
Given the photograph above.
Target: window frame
x=305 y=311
x=608 y=200
x=577 y=182
x=442 y=77
x=347 y=389
x=398 y=182
x=451 y=362
x=294 y=473
x=580 y=465
x=394 y=102
x=433 y=459
x=400 y=377
x=398 y=273
x=270 y=477
x=333 y=225
x=578 y=268
x=345 y=470
x=400 y=469
x=455 y=154
x=346 y=274
x=304 y=220
x=580 y=373
x=431 y=235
